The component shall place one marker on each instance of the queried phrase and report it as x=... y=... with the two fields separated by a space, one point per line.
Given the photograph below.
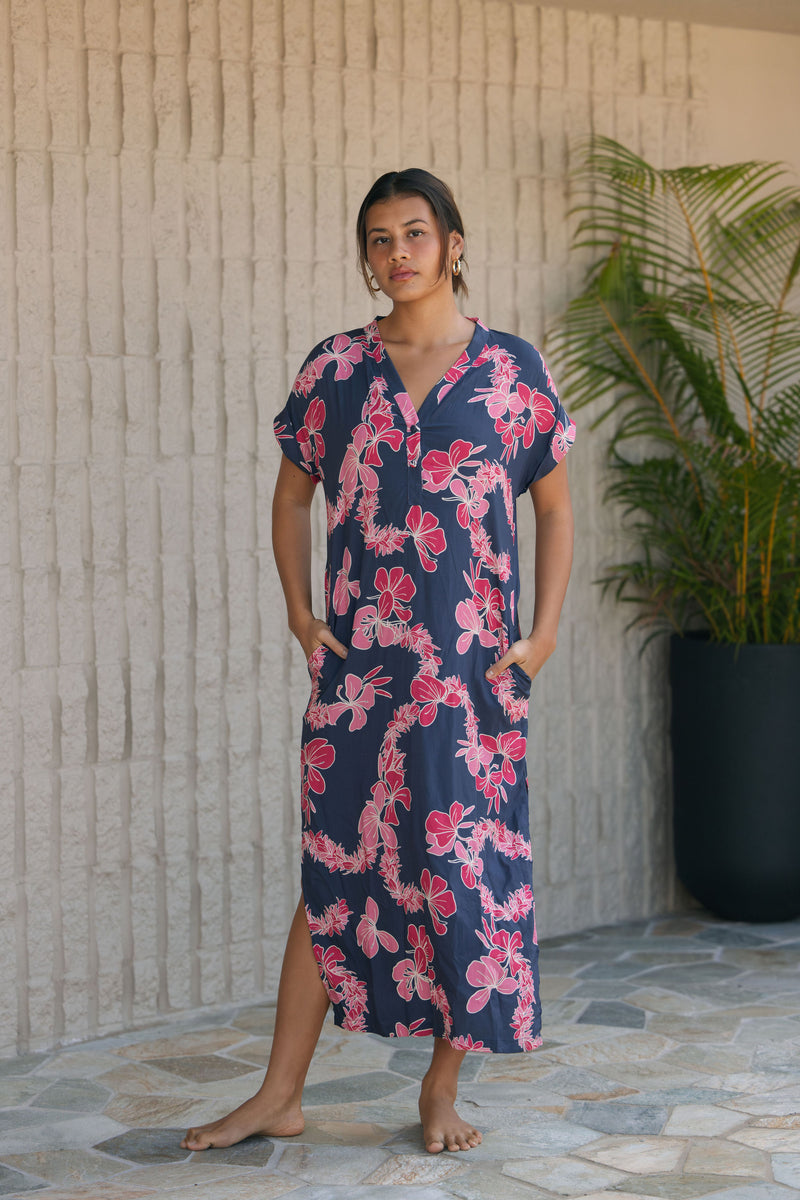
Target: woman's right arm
x=291 y=543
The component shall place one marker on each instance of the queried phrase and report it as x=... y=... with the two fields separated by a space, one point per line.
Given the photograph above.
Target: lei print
x=413 y=770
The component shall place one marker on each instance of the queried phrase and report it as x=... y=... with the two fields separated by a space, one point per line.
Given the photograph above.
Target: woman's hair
x=413 y=182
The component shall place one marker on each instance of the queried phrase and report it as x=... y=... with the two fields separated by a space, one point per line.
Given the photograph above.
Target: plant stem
x=656 y=394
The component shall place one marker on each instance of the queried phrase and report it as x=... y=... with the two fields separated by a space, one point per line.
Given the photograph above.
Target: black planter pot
x=736 y=776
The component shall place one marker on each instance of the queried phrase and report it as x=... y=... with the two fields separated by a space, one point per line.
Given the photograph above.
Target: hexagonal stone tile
x=611 y=1012
x=259 y=1020
x=485 y=1180
x=75 y=1133
x=756 y=1191
x=415 y=1169
x=779 y=1103
x=248 y=1187
x=376 y=1191
x=723 y=936
x=575 y=1083
x=679 y=1186
x=373 y=1085
x=619 y=1117
x=12 y=1182
x=252 y=1152
x=640 y=1155
x=23 y=1064
x=200 y=1041
x=203 y=1068
x=13 y=1118
x=770 y=1139
x=566 y=1176
x=81 y=1094
x=608 y=970
x=415 y=1064
x=66 y=1166
x=147 y=1146
x=719 y=1156
x=786 y=1169
x=702 y=1120
x=153 y=1110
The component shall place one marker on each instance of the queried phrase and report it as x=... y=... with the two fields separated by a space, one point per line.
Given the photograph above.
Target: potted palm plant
x=686 y=338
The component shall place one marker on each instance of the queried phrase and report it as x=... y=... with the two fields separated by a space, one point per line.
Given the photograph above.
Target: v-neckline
x=411 y=414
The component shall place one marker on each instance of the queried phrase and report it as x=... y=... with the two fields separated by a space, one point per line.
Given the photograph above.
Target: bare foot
x=442 y=1127
x=255 y=1116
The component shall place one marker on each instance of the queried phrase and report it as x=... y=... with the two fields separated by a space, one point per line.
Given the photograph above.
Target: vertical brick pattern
x=180 y=183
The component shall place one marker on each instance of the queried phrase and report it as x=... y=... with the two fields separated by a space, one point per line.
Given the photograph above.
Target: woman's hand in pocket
x=317 y=633
x=529 y=653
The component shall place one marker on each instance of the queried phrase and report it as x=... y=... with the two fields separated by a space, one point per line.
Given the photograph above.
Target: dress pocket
x=324 y=667
x=522 y=678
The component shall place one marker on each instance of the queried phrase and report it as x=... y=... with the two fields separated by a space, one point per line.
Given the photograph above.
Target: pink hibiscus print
x=562 y=440
x=473 y=504
x=488 y=600
x=510 y=431
x=510 y=945
x=542 y=413
x=317 y=756
x=353 y=471
x=429 y=691
x=309 y=437
x=495 y=398
x=344 y=352
x=359 y=696
x=412 y=1030
x=381 y=429
x=410 y=974
x=471 y=865
x=395 y=589
x=391 y=791
x=427 y=534
x=443 y=830
x=470 y=620
x=475 y=756
x=369 y=937
x=511 y=748
x=329 y=962
x=344 y=587
x=488 y=975
x=364 y=627
x=441 y=901
x=440 y=467
x=375 y=829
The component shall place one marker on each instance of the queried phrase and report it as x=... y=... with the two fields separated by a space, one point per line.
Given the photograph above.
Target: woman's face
x=404 y=249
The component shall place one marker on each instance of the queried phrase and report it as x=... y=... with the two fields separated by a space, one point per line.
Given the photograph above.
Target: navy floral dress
x=416 y=853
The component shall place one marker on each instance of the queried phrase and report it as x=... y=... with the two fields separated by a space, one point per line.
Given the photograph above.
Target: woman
x=416 y=916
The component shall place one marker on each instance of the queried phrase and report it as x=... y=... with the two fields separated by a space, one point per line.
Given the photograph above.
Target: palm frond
x=687 y=335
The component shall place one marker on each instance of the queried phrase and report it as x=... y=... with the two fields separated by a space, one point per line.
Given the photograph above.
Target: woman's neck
x=427 y=322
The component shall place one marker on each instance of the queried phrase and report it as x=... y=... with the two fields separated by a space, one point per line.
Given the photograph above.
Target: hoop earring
x=457 y=267
x=372 y=283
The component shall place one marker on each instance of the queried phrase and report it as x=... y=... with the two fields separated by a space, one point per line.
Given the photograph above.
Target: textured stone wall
x=180 y=180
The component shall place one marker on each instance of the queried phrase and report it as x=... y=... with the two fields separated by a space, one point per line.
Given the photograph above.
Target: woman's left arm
x=554 y=533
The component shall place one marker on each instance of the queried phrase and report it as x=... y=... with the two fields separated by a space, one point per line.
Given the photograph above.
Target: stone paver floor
x=671 y=1067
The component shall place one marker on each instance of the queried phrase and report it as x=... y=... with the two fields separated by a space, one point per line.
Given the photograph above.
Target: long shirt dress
x=416 y=852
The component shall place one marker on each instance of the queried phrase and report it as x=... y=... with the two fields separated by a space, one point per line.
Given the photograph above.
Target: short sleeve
x=554 y=432
x=299 y=425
